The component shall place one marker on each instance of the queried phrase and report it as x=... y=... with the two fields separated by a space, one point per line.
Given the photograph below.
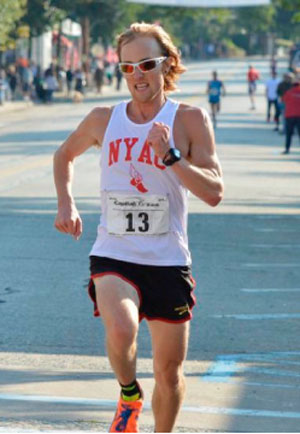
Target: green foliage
x=255 y=19
x=41 y=15
x=11 y=12
x=296 y=17
x=292 y=6
x=193 y=26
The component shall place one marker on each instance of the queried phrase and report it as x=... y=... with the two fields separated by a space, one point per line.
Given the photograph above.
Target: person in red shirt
x=291 y=99
x=252 y=77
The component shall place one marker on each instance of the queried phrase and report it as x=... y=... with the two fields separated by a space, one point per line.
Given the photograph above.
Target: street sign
x=204 y=3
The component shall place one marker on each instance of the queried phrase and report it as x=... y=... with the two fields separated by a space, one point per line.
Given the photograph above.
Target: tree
x=11 y=12
x=292 y=6
x=40 y=16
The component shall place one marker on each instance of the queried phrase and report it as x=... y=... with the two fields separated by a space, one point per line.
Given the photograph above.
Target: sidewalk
x=10 y=106
x=61 y=97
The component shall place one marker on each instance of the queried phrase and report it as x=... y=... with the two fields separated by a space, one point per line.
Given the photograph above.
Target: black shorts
x=165 y=293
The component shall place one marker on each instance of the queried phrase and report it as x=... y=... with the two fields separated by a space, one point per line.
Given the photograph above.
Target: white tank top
x=143 y=202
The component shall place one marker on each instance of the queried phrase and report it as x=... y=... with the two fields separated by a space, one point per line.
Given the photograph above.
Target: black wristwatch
x=172 y=155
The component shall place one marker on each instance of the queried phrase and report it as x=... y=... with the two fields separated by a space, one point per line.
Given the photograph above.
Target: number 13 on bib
x=137 y=215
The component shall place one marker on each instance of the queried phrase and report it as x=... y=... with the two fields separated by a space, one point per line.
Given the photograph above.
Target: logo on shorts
x=137 y=179
x=181 y=310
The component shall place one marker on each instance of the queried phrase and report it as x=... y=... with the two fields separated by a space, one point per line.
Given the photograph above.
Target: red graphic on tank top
x=137 y=179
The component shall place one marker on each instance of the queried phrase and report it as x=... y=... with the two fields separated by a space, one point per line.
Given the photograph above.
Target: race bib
x=137 y=215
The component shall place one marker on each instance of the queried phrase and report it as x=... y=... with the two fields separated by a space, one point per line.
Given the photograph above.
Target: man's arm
x=90 y=132
x=223 y=89
x=200 y=170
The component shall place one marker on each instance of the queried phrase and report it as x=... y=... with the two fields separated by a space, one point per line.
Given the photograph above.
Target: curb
x=15 y=106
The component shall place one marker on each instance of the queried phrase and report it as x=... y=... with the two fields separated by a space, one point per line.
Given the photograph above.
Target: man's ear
x=168 y=64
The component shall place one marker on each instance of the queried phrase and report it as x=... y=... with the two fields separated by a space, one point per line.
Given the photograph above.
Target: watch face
x=177 y=153
x=172 y=156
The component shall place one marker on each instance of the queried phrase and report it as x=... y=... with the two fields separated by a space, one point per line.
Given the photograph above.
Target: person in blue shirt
x=215 y=88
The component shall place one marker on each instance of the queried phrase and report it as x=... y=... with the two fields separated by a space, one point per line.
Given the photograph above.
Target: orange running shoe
x=126 y=416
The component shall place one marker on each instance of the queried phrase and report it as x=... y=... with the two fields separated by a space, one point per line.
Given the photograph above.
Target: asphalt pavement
x=243 y=364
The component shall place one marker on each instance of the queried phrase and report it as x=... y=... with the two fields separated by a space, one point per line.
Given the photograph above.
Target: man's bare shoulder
x=189 y=114
x=100 y=115
x=95 y=124
x=197 y=126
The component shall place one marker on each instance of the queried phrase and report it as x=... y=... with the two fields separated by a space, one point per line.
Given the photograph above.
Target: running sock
x=131 y=392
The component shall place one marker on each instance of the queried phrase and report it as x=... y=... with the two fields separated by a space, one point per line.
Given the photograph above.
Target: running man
x=252 y=77
x=214 y=90
x=154 y=150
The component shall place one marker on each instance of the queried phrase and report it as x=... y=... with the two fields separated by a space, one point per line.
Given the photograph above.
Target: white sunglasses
x=144 y=65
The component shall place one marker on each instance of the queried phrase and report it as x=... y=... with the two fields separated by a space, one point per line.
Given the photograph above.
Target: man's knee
x=169 y=376
x=122 y=331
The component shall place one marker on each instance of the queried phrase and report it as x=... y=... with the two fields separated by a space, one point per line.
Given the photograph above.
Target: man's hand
x=158 y=138
x=68 y=221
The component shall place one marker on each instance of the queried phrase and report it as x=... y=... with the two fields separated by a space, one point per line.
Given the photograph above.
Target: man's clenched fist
x=68 y=221
x=158 y=138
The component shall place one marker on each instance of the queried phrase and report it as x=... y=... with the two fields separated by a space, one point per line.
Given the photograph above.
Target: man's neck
x=141 y=112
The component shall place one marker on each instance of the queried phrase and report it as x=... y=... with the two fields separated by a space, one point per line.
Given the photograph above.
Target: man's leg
x=169 y=342
x=213 y=107
x=297 y=121
x=269 y=110
x=118 y=303
x=251 y=95
x=288 y=134
x=277 y=114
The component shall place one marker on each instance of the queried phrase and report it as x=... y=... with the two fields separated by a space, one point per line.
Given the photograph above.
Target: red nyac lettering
x=144 y=157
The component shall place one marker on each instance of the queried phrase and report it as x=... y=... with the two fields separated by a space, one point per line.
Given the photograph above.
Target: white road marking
x=228 y=366
x=263 y=290
x=275 y=246
x=272 y=217
x=263 y=316
x=221 y=371
x=271 y=265
x=111 y=404
x=274 y=230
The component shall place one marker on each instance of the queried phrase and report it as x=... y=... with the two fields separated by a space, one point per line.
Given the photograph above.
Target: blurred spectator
x=210 y=50
x=99 y=77
x=109 y=71
x=273 y=65
x=79 y=85
x=26 y=80
x=39 y=85
x=61 y=78
x=252 y=77
x=51 y=85
x=272 y=98
x=283 y=86
x=33 y=69
x=3 y=86
x=119 y=76
x=69 y=79
x=291 y=99
x=12 y=81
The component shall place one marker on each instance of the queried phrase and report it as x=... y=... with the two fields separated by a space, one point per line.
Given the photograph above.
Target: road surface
x=243 y=365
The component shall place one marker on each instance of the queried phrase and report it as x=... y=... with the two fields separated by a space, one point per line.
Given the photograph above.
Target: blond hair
x=166 y=44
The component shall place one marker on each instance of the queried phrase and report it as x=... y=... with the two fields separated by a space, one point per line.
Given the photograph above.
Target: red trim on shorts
x=192 y=294
x=112 y=273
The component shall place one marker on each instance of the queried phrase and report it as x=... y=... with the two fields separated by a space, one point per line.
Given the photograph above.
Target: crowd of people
x=283 y=101
x=282 y=96
x=27 y=81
